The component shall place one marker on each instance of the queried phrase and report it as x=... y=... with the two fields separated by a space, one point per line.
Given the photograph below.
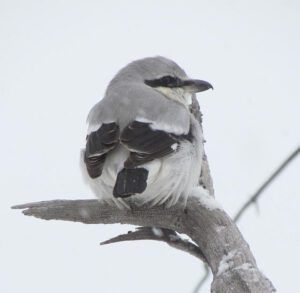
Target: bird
x=144 y=145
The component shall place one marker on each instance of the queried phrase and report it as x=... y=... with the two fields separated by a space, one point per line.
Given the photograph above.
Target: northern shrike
x=143 y=142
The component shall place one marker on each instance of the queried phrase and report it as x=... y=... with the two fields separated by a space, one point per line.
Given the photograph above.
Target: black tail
x=130 y=181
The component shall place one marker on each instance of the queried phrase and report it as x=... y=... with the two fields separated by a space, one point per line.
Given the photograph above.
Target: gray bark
x=217 y=239
x=216 y=235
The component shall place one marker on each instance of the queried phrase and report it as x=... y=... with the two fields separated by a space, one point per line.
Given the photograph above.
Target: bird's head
x=165 y=76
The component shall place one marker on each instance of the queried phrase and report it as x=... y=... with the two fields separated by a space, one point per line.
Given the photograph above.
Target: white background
x=56 y=60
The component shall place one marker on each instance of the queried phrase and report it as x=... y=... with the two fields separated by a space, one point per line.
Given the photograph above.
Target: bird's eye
x=169 y=80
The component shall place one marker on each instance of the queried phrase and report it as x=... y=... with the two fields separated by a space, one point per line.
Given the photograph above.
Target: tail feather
x=130 y=182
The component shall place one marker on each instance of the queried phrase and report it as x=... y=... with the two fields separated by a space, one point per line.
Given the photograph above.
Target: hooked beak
x=195 y=85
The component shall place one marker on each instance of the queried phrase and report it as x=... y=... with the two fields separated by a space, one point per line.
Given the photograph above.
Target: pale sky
x=56 y=60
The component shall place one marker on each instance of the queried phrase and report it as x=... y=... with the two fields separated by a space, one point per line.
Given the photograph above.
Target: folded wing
x=145 y=144
x=98 y=144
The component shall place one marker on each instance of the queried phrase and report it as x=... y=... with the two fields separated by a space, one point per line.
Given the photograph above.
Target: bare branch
x=254 y=197
x=210 y=228
x=165 y=235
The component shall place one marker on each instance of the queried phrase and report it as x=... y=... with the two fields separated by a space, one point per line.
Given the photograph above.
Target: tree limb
x=216 y=235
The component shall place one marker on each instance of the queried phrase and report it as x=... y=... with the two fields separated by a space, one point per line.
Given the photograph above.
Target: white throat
x=176 y=94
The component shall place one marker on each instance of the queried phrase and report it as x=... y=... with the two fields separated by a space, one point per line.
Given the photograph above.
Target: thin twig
x=159 y=234
x=259 y=191
x=203 y=279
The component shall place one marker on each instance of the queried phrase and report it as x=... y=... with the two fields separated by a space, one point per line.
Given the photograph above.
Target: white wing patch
x=93 y=127
x=166 y=127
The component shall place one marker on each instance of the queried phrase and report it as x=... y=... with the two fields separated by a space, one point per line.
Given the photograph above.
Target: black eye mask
x=165 y=81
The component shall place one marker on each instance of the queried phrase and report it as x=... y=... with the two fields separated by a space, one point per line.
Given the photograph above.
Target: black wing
x=146 y=144
x=98 y=144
